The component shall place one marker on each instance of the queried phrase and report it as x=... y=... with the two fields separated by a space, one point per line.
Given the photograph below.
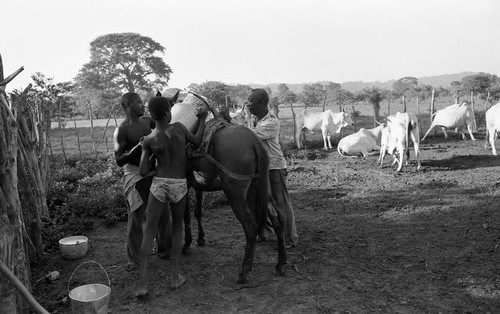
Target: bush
x=81 y=191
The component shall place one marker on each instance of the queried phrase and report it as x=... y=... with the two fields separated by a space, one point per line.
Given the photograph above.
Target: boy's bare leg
x=154 y=211
x=177 y=215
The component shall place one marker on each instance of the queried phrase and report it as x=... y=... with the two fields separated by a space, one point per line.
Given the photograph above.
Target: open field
x=370 y=240
x=104 y=135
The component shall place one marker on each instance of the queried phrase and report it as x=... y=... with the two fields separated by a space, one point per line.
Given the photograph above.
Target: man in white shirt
x=267 y=127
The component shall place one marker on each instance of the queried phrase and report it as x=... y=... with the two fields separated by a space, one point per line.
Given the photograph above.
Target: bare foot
x=131 y=266
x=141 y=293
x=177 y=282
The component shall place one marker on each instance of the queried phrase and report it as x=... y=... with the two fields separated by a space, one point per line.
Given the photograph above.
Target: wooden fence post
x=92 y=128
x=404 y=103
x=77 y=135
x=294 y=125
x=473 y=109
x=418 y=115
x=61 y=133
x=354 y=116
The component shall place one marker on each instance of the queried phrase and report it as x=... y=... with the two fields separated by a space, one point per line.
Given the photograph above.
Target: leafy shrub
x=81 y=191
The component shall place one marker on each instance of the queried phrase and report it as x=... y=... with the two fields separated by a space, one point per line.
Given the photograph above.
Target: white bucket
x=91 y=298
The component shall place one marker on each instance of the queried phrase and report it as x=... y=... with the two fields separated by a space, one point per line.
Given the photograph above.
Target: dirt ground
x=370 y=241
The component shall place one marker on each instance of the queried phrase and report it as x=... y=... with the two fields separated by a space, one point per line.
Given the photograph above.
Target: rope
x=230 y=173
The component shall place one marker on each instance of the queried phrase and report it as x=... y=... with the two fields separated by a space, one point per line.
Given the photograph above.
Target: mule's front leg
x=188 y=235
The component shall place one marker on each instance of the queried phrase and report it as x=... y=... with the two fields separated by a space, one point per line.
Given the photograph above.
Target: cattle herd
x=392 y=136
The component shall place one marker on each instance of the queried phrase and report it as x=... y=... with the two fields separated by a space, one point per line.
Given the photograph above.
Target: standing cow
x=457 y=116
x=401 y=127
x=364 y=143
x=330 y=123
x=492 y=127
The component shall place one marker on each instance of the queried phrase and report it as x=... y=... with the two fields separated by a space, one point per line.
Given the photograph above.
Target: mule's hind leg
x=198 y=213
x=278 y=224
x=236 y=192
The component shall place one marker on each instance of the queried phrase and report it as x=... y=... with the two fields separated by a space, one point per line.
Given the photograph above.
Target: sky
x=259 y=41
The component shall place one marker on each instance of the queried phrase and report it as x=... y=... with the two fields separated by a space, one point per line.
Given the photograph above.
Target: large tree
x=405 y=86
x=312 y=95
x=374 y=96
x=216 y=92
x=481 y=84
x=238 y=94
x=128 y=61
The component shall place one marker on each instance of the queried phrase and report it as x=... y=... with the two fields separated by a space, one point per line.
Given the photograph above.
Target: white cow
x=364 y=143
x=330 y=123
x=239 y=116
x=457 y=116
x=401 y=127
x=386 y=146
x=492 y=127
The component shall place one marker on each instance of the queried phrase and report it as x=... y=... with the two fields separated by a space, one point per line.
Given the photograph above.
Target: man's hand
x=202 y=115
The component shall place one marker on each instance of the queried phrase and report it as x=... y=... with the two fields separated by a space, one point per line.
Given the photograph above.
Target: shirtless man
x=168 y=191
x=136 y=187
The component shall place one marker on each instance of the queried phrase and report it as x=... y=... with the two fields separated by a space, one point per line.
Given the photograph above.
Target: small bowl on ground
x=74 y=247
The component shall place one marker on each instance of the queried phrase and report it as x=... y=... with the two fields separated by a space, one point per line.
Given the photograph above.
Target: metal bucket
x=91 y=298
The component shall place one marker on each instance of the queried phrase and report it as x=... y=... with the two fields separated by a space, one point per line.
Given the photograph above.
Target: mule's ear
x=158 y=94
x=173 y=100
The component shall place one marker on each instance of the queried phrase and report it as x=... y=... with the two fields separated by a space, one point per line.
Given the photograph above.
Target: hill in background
x=354 y=86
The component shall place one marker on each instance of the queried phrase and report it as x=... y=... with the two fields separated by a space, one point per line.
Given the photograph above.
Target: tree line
x=130 y=62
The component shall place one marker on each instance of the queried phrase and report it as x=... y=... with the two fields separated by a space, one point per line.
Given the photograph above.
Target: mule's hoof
x=279 y=270
x=141 y=293
x=200 y=242
x=164 y=255
x=186 y=250
x=242 y=279
x=179 y=281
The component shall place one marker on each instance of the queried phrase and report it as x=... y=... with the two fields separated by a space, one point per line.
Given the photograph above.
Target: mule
x=237 y=163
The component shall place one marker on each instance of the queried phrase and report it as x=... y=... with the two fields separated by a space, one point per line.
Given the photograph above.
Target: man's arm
x=147 y=157
x=122 y=157
x=196 y=138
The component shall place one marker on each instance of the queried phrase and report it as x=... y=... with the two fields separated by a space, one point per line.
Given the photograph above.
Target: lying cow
x=401 y=127
x=365 y=142
x=492 y=127
x=457 y=116
x=330 y=123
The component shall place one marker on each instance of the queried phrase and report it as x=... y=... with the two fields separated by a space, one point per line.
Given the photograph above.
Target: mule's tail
x=262 y=197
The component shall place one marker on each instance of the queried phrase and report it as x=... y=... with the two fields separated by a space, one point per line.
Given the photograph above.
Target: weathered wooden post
x=418 y=115
x=77 y=135
x=473 y=110
x=92 y=128
x=61 y=136
x=432 y=109
x=354 y=115
x=294 y=124
x=404 y=103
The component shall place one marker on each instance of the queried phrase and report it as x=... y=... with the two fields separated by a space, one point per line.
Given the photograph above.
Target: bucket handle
x=87 y=262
